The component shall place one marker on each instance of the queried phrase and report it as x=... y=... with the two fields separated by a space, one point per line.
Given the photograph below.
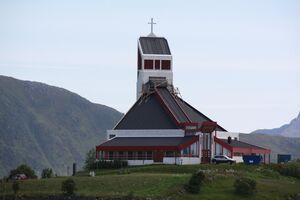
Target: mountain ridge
x=291 y=129
x=47 y=126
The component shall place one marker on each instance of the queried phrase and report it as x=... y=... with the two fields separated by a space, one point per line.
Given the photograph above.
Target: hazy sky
x=238 y=62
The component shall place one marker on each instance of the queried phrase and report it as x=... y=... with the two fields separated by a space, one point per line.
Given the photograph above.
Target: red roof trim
x=167 y=108
x=188 y=143
x=222 y=143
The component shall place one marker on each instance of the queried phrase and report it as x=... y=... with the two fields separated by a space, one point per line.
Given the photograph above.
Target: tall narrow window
x=148 y=64
x=166 y=64
x=157 y=64
x=139 y=59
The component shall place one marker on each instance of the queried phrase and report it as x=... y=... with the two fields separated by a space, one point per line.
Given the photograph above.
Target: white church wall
x=181 y=160
x=140 y=162
x=189 y=160
x=171 y=160
x=146 y=133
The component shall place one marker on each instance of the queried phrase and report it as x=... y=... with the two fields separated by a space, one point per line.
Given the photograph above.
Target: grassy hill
x=46 y=126
x=166 y=182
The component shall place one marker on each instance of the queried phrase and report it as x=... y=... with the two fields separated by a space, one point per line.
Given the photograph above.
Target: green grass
x=163 y=181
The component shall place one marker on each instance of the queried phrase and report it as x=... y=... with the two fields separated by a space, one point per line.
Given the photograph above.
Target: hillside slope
x=288 y=130
x=278 y=144
x=46 y=126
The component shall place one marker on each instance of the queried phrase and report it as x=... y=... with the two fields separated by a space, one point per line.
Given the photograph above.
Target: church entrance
x=158 y=156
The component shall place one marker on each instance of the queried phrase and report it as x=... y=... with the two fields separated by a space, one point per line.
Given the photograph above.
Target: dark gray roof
x=147 y=141
x=154 y=45
x=193 y=114
x=172 y=104
x=156 y=109
x=237 y=143
x=147 y=113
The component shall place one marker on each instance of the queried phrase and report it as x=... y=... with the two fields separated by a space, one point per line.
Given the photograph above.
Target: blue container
x=252 y=160
x=282 y=158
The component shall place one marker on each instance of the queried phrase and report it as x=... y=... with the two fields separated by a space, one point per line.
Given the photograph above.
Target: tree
x=15 y=188
x=47 y=173
x=23 y=169
x=195 y=182
x=90 y=159
x=244 y=186
x=68 y=186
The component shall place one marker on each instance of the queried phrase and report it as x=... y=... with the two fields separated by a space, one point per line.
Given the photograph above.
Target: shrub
x=291 y=169
x=245 y=186
x=23 y=169
x=90 y=159
x=195 y=182
x=47 y=173
x=111 y=164
x=68 y=186
x=15 y=187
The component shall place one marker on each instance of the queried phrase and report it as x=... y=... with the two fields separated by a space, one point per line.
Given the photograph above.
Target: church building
x=161 y=127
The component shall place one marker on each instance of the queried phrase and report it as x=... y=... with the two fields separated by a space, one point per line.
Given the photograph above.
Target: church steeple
x=154 y=61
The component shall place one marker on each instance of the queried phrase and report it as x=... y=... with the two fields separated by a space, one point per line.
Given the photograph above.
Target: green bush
x=90 y=159
x=195 y=182
x=68 y=186
x=245 y=186
x=47 y=173
x=113 y=164
x=291 y=169
x=23 y=169
x=15 y=187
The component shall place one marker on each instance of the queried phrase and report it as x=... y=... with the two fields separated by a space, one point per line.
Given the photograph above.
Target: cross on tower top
x=152 y=23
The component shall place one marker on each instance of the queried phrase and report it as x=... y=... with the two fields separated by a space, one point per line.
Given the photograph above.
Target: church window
x=157 y=64
x=130 y=155
x=148 y=64
x=169 y=153
x=149 y=155
x=139 y=60
x=111 y=155
x=121 y=155
x=140 y=155
x=166 y=64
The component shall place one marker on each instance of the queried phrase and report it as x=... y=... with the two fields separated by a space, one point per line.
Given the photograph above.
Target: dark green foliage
x=47 y=173
x=195 y=182
x=15 y=187
x=244 y=186
x=23 y=169
x=90 y=159
x=114 y=164
x=68 y=186
x=289 y=169
x=48 y=126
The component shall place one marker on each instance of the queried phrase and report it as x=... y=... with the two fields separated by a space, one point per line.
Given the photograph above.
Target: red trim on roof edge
x=166 y=107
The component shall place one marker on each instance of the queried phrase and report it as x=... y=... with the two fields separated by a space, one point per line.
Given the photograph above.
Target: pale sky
x=238 y=62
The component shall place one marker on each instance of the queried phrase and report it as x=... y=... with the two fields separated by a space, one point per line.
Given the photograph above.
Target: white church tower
x=154 y=61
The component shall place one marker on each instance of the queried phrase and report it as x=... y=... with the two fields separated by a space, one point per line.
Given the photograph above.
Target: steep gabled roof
x=161 y=109
x=146 y=113
x=154 y=45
